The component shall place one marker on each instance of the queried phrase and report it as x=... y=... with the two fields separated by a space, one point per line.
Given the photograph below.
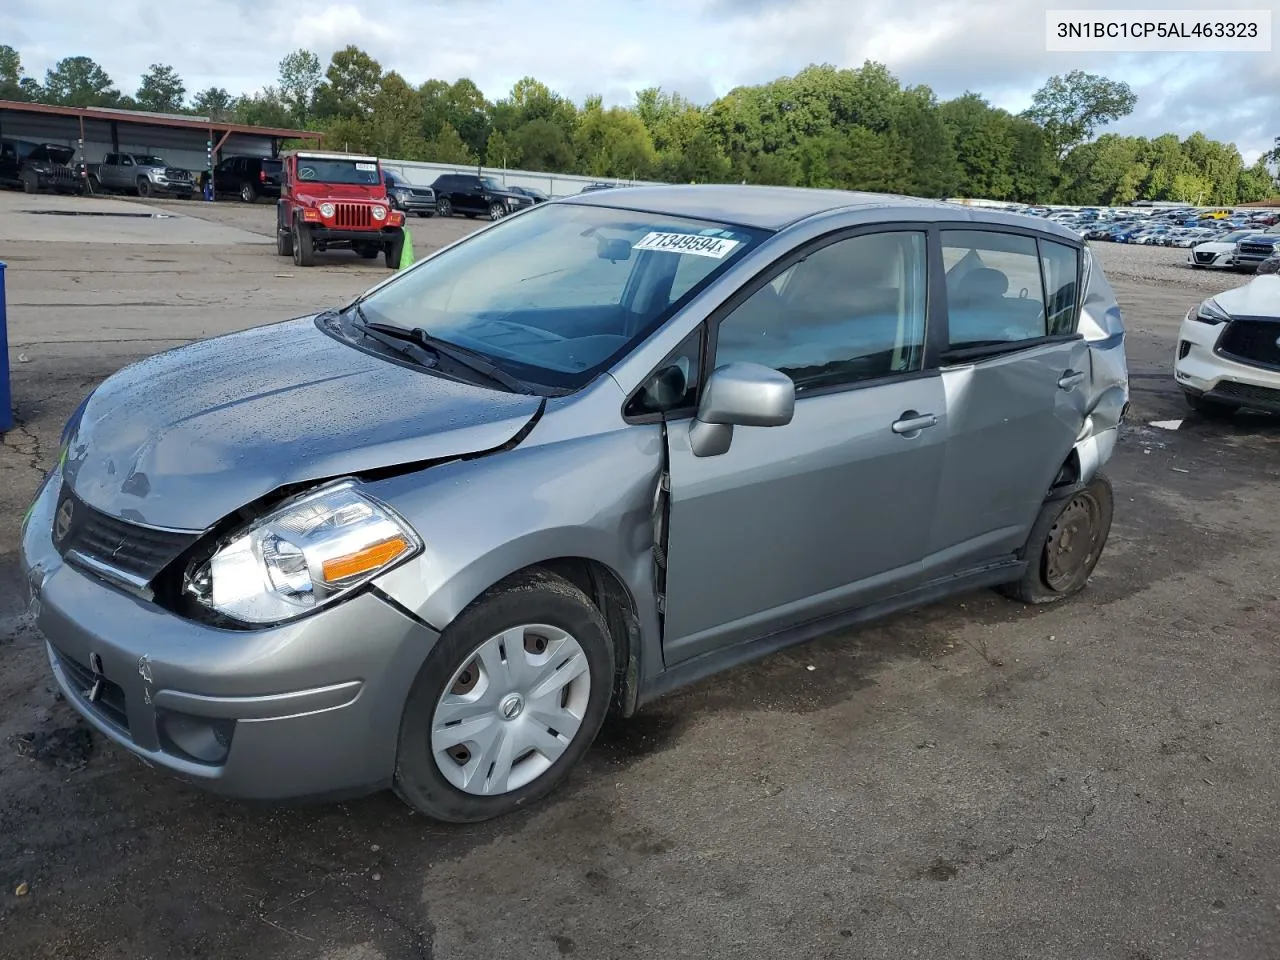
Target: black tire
x=30 y=182
x=1212 y=409
x=247 y=193
x=304 y=251
x=95 y=185
x=444 y=207
x=284 y=243
x=532 y=597
x=1056 y=528
x=393 y=249
x=144 y=187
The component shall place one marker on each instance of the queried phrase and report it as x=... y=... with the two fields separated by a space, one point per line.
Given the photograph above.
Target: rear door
x=833 y=510
x=1015 y=373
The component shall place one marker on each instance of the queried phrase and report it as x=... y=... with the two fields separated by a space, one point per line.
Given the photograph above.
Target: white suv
x=1228 y=353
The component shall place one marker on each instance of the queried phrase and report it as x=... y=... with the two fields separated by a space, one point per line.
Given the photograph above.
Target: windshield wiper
x=419 y=338
x=393 y=338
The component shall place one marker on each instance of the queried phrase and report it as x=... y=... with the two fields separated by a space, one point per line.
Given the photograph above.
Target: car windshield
x=557 y=293
x=328 y=170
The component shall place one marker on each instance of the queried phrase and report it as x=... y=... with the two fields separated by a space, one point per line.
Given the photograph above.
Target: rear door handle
x=913 y=423
x=1071 y=378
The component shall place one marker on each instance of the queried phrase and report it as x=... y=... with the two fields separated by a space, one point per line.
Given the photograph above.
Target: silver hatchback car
x=592 y=452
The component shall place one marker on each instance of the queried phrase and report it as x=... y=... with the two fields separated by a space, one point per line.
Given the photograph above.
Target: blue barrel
x=6 y=391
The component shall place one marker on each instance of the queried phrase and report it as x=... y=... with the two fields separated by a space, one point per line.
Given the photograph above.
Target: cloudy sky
x=701 y=48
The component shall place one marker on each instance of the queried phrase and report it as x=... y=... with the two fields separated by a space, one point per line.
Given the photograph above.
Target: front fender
x=483 y=519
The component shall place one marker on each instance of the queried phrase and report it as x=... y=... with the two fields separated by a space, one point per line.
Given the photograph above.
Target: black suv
x=476 y=196
x=248 y=177
x=38 y=166
x=409 y=197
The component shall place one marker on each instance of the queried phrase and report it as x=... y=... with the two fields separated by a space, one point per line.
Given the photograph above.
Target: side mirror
x=744 y=395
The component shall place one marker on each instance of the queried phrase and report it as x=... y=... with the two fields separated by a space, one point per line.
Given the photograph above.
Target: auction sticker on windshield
x=366 y=166
x=715 y=247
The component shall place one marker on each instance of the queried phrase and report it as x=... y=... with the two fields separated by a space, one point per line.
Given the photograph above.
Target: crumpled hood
x=184 y=438
x=1260 y=297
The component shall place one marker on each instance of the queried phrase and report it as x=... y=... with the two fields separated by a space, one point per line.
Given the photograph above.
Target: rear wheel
x=444 y=207
x=248 y=194
x=304 y=250
x=1065 y=544
x=507 y=703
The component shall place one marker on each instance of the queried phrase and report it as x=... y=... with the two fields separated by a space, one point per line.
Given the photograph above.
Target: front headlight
x=156 y=175
x=326 y=210
x=307 y=553
x=1210 y=312
x=403 y=196
x=379 y=212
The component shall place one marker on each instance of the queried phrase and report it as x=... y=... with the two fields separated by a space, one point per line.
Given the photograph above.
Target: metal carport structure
x=193 y=143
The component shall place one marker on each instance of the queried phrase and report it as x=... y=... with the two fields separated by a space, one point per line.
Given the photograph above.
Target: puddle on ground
x=99 y=213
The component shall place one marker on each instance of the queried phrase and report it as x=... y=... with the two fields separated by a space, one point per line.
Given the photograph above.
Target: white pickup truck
x=139 y=173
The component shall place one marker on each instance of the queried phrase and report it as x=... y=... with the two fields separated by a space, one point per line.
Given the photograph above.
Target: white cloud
x=703 y=48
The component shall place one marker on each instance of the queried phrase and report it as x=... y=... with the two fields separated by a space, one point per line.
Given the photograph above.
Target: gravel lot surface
x=1093 y=780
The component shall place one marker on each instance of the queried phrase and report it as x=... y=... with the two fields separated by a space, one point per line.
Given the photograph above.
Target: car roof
x=318 y=155
x=775 y=208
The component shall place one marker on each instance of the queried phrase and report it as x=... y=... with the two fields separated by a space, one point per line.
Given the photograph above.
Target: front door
x=834 y=509
x=1016 y=379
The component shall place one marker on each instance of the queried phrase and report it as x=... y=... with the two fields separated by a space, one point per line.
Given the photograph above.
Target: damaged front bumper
x=309 y=708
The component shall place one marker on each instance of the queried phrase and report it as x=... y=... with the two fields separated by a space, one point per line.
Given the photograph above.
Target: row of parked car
x=1223 y=239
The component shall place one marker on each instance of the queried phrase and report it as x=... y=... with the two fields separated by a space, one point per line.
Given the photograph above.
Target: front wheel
x=304 y=249
x=1213 y=409
x=284 y=243
x=30 y=183
x=509 y=700
x=1065 y=544
x=497 y=211
x=144 y=187
x=394 y=250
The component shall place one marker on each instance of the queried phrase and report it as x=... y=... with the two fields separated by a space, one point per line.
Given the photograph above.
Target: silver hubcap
x=511 y=710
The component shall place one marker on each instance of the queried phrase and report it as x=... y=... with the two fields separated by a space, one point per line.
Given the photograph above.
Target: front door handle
x=1072 y=378
x=914 y=422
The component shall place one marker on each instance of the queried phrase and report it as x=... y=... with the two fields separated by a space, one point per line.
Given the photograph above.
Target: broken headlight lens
x=306 y=554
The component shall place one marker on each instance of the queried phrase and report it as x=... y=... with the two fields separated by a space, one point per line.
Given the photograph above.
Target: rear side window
x=1061 y=270
x=994 y=291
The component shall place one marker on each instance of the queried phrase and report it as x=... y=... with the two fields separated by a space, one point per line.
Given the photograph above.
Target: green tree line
x=824 y=127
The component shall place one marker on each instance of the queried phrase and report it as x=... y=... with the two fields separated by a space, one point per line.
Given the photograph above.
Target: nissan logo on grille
x=62 y=521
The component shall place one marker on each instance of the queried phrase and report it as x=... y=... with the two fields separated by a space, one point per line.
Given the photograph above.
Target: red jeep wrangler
x=336 y=200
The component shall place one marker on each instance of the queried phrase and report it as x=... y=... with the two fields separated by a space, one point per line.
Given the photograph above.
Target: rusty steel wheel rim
x=1073 y=542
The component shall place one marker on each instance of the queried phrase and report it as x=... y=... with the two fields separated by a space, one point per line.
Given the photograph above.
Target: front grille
x=1248 y=395
x=1204 y=257
x=352 y=215
x=1255 y=249
x=110 y=702
x=138 y=551
x=1255 y=342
